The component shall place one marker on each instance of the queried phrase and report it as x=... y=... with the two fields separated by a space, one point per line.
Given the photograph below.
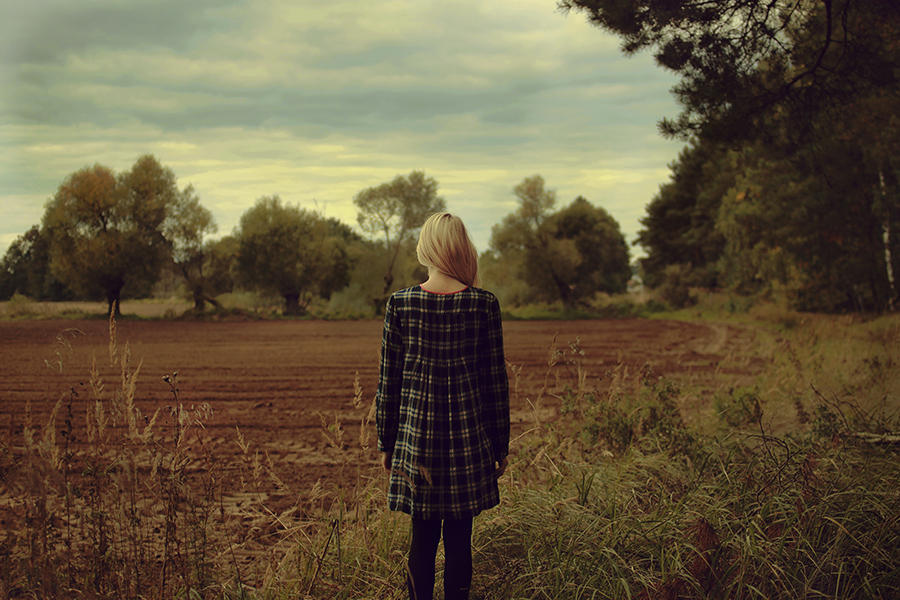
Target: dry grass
x=613 y=495
x=21 y=307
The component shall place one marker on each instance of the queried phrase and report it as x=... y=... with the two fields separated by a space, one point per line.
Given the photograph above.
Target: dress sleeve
x=387 y=398
x=495 y=385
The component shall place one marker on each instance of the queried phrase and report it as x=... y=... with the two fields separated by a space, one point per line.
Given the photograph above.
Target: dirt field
x=277 y=381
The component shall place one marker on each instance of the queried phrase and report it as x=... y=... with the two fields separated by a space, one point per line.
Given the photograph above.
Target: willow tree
x=290 y=251
x=106 y=232
x=396 y=210
x=188 y=224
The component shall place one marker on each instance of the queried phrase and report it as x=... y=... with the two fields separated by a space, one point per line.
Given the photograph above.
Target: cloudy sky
x=316 y=100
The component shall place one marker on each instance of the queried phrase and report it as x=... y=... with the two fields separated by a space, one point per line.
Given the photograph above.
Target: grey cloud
x=37 y=32
x=457 y=92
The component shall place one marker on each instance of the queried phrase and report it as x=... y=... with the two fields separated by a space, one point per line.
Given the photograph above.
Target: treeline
x=105 y=236
x=788 y=183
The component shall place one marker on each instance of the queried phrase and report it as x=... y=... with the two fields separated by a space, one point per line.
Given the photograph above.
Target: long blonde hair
x=445 y=245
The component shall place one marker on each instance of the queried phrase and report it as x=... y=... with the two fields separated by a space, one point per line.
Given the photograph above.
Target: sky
x=315 y=101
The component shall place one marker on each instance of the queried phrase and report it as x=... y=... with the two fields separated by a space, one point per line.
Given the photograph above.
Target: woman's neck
x=441 y=283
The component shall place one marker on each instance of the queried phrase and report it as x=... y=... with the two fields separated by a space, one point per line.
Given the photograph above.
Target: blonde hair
x=445 y=245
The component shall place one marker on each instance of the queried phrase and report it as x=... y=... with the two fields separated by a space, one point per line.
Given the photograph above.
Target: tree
x=803 y=97
x=25 y=268
x=521 y=240
x=568 y=255
x=818 y=236
x=220 y=264
x=680 y=224
x=187 y=224
x=107 y=232
x=602 y=263
x=397 y=210
x=292 y=252
x=739 y=60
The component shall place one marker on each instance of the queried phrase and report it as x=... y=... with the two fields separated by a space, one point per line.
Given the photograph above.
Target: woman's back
x=443 y=401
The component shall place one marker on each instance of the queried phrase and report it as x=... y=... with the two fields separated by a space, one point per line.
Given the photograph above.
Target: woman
x=443 y=405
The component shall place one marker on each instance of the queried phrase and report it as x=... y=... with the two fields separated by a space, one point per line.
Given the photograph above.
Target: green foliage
x=750 y=521
x=187 y=223
x=663 y=511
x=790 y=184
x=675 y=287
x=791 y=220
x=362 y=297
x=220 y=264
x=739 y=60
x=500 y=275
x=567 y=255
x=815 y=238
x=680 y=225
x=25 y=268
x=645 y=415
x=602 y=263
x=20 y=306
x=292 y=252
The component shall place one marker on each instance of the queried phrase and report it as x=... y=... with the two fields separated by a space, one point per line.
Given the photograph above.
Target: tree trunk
x=199 y=299
x=563 y=289
x=292 y=304
x=886 y=242
x=389 y=276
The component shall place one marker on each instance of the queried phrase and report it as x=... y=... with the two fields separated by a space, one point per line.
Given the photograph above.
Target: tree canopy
x=567 y=255
x=679 y=226
x=790 y=179
x=25 y=268
x=397 y=210
x=739 y=60
x=293 y=252
x=107 y=232
x=186 y=226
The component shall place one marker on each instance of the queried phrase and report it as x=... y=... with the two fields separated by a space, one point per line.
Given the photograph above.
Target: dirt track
x=277 y=380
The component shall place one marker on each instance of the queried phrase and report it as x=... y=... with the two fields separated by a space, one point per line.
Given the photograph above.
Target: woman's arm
x=495 y=385
x=387 y=398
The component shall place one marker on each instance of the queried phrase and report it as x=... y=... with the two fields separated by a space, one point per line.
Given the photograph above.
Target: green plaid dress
x=443 y=401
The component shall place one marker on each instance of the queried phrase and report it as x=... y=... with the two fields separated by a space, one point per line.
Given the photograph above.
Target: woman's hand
x=501 y=466
x=386 y=460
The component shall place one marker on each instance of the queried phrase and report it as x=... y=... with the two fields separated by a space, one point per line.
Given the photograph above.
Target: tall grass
x=107 y=502
x=617 y=497
x=789 y=491
x=624 y=500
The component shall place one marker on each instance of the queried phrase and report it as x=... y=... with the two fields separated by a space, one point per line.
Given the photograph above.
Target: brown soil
x=278 y=380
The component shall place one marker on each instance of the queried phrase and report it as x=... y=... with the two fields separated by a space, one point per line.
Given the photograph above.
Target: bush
x=675 y=287
x=20 y=305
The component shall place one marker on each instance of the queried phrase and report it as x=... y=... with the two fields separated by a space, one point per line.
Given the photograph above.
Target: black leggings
x=457 y=558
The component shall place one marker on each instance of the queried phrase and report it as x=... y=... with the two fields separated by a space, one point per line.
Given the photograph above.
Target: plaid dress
x=443 y=401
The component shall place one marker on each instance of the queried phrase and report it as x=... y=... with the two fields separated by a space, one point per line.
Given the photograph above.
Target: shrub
x=20 y=305
x=675 y=287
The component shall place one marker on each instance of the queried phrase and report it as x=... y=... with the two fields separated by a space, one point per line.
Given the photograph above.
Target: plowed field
x=279 y=381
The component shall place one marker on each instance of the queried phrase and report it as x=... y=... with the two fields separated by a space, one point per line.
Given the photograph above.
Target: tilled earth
x=284 y=408
x=286 y=384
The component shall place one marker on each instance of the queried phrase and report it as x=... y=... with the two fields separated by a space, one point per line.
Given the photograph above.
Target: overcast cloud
x=315 y=101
